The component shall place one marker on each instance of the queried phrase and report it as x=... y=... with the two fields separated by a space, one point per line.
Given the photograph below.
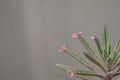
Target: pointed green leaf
x=86 y=45
x=98 y=45
x=84 y=73
x=116 y=55
x=117 y=48
x=105 y=41
x=76 y=56
x=81 y=77
x=115 y=66
x=95 y=61
x=108 y=49
x=78 y=73
x=79 y=58
x=64 y=67
x=105 y=37
x=108 y=63
x=87 y=73
x=116 y=60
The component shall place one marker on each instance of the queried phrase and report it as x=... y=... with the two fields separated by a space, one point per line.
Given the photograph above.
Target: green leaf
x=108 y=60
x=87 y=73
x=79 y=58
x=64 y=67
x=116 y=60
x=105 y=41
x=108 y=63
x=115 y=66
x=108 y=49
x=95 y=61
x=76 y=56
x=81 y=77
x=116 y=55
x=99 y=47
x=105 y=37
x=86 y=45
x=117 y=48
x=84 y=73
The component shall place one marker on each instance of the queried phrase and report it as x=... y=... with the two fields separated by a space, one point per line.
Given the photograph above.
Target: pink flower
x=71 y=73
x=62 y=48
x=93 y=37
x=75 y=36
x=80 y=33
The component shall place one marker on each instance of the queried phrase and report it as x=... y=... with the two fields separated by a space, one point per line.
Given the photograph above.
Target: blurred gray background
x=31 y=32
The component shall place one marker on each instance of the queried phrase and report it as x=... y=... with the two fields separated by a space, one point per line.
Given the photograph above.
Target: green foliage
x=77 y=57
x=105 y=59
x=86 y=45
x=78 y=72
x=95 y=61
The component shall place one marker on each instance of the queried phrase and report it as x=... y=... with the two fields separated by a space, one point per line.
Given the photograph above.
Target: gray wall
x=31 y=31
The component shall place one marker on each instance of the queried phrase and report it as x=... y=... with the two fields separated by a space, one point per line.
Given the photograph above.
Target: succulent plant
x=106 y=62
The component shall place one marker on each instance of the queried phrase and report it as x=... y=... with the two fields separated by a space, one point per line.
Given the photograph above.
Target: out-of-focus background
x=31 y=31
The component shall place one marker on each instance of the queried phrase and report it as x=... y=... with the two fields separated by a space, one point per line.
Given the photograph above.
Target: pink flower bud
x=93 y=37
x=80 y=33
x=75 y=36
x=62 y=48
x=71 y=73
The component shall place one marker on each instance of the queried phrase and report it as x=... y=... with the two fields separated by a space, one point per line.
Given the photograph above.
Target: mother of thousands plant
x=106 y=62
